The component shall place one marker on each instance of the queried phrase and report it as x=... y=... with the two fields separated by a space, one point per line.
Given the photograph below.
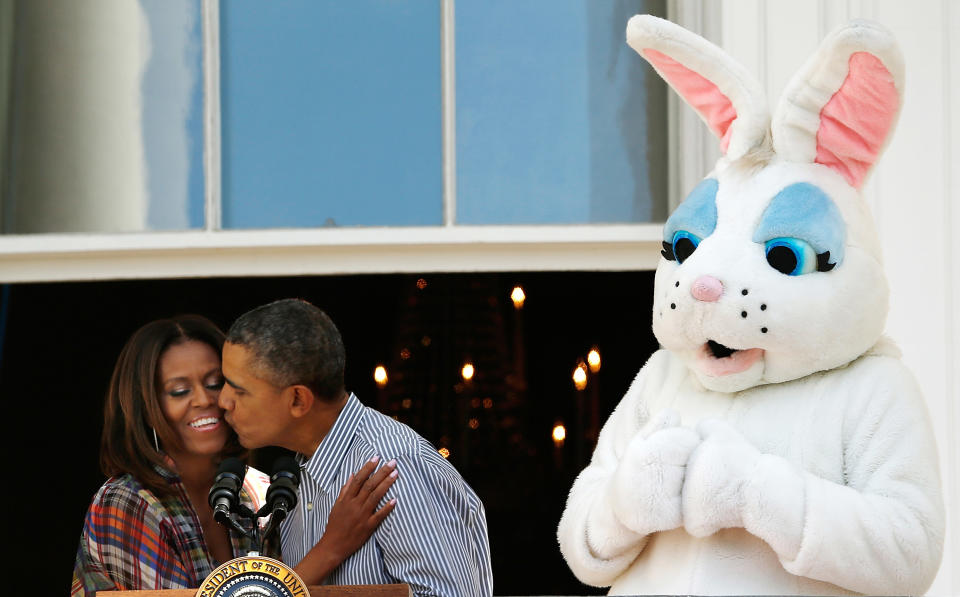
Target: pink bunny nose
x=707 y=289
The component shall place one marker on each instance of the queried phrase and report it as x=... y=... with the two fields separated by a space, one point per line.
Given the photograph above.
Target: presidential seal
x=253 y=576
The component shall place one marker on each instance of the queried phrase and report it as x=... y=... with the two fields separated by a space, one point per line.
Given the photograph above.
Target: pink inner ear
x=855 y=122
x=700 y=93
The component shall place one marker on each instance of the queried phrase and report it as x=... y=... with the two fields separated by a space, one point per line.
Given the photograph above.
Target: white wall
x=910 y=191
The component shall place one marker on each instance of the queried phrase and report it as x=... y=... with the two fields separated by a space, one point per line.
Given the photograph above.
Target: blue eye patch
x=697 y=214
x=803 y=211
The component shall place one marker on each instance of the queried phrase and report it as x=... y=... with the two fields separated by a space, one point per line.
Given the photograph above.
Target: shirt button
x=309 y=506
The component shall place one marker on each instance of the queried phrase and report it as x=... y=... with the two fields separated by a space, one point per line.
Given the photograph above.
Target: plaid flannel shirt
x=134 y=540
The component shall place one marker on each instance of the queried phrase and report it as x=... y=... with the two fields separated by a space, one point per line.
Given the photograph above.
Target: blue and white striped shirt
x=435 y=539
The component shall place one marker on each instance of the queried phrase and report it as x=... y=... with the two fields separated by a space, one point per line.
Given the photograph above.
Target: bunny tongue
x=717 y=360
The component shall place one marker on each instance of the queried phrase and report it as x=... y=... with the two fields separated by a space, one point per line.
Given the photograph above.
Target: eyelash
x=218 y=385
x=667 y=251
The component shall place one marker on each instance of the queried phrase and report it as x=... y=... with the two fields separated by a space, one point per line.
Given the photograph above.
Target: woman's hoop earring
x=156 y=444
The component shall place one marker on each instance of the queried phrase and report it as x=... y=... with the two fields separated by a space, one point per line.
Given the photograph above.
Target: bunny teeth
x=717 y=360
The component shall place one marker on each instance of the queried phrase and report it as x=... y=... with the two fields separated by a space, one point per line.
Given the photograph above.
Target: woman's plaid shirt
x=133 y=539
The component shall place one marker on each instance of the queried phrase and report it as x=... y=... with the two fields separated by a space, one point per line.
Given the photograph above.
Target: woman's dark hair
x=131 y=411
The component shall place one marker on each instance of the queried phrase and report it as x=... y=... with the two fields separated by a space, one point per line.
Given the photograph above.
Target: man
x=283 y=365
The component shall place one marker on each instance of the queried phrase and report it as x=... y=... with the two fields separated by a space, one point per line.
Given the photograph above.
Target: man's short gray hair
x=293 y=342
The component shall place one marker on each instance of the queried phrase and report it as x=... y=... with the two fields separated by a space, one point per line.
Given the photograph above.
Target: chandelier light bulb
x=518 y=296
x=380 y=375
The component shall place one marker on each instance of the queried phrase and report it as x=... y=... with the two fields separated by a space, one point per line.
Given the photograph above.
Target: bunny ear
x=840 y=109
x=728 y=99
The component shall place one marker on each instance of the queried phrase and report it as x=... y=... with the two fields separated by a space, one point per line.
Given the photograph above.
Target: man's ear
x=300 y=399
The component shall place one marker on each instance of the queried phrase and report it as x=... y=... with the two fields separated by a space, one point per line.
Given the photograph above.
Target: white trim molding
x=47 y=257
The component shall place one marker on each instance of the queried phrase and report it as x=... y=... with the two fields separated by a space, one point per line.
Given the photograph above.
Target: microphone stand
x=278 y=514
x=256 y=538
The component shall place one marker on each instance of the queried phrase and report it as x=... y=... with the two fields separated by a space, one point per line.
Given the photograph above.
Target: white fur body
x=842 y=495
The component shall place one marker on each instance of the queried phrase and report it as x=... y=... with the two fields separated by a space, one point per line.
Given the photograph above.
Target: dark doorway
x=60 y=341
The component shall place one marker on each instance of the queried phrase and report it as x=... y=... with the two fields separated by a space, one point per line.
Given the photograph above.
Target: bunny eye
x=684 y=244
x=791 y=256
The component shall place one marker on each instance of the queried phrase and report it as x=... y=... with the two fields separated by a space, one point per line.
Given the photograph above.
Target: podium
x=401 y=590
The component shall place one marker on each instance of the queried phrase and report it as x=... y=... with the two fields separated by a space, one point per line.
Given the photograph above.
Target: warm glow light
x=473 y=423
x=517 y=296
x=559 y=434
x=593 y=359
x=444 y=452
x=467 y=371
x=380 y=375
x=421 y=283
x=580 y=376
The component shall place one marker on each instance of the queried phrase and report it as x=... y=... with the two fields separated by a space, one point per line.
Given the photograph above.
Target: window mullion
x=448 y=100
x=210 y=10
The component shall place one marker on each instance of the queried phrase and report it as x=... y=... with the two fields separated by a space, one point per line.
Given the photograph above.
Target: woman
x=150 y=525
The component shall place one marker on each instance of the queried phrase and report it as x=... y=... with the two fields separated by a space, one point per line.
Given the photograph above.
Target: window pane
x=106 y=125
x=557 y=119
x=331 y=113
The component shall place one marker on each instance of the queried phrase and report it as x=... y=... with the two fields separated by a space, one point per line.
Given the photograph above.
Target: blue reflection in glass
x=330 y=113
x=172 y=87
x=558 y=120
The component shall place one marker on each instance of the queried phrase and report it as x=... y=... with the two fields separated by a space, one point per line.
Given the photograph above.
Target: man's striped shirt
x=435 y=539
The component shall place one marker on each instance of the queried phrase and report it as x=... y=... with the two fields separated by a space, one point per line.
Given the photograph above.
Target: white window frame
x=213 y=252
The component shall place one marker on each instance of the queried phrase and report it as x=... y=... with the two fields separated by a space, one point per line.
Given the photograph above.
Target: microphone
x=282 y=493
x=224 y=495
x=280 y=500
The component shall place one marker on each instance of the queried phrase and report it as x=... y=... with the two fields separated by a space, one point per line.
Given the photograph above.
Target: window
x=557 y=120
x=332 y=114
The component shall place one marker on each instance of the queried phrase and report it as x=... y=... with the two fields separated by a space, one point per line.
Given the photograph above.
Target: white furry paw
x=646 y=487
x=717 y=473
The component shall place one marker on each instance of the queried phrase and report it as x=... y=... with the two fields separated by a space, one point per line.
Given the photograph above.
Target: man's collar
x=326 y=460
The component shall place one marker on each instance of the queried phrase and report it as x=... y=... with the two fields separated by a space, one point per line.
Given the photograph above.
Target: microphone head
x=288 y=465
x=233 y=466
x=284 y=482
x=223 y=494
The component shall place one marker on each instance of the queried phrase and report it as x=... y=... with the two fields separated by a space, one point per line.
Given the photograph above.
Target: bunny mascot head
x=775 y=444
x=772 y=266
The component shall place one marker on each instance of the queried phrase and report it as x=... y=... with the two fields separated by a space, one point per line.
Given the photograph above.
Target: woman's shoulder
x=122 y=488
x=126 y=495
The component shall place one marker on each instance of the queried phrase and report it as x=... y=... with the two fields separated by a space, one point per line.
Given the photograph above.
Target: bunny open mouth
x=717 y=360
x=719 y=350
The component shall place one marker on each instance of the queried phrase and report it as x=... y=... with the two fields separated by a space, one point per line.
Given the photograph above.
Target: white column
x=77 y=154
